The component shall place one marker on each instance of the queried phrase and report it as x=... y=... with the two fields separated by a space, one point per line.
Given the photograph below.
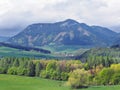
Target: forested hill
x=111 y=52
x=25 y=48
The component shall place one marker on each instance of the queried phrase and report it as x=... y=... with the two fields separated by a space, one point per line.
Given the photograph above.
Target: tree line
x=75 y=73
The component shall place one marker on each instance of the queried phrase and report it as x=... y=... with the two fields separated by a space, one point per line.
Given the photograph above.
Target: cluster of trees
x=100 y=75
x=77 y=74
x=106 y=61
x=14 y=66
x=113 y=53
x=108 y=76
x=50 y=69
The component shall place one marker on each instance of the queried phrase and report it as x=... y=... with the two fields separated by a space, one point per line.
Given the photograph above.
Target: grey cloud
x=24 y=12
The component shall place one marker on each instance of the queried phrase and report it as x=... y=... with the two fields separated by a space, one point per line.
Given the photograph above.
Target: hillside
x=12 y=52
x=24 y=48
x=68 y=32
x=112 y=52
x=3 y=38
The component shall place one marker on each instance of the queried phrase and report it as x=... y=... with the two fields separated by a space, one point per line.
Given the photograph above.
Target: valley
x=59 y=44
x=66 y=39
x=67 y=54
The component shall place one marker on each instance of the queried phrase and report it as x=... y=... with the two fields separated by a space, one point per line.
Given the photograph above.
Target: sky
x=15 y=15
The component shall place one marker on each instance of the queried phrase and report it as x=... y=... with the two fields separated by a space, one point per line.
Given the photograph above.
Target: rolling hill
x=112 y=52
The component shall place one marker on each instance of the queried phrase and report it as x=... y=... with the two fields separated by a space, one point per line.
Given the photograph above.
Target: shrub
x=21 y=71
x=64 y=76
x=1 y=70
x=116 y=78
x=104 y=76
x=43 y=74
x=12 y=71
x=79 y=78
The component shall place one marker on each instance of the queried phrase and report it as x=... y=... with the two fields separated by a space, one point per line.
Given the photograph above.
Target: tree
x=104 y=76
x=16 y=63
x=64 y=76
x=116 y=78
x=12 y=71
x=50 y=68
x=31 y=69
x=79 y=78
x=44 y=74
x=22 y=71
x=38 y=68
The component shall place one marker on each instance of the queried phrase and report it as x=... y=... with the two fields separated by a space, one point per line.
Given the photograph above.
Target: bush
x=79 y=78
x=116 y=79
x=12 y=71
x=22 y=71
x=104 y=77
x=64 y=76
x=55 y=75
x=44 y=74
x=1 y=70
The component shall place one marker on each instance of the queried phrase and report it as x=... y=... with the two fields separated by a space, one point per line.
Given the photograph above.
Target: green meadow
x=9 y=82
x=11 y=52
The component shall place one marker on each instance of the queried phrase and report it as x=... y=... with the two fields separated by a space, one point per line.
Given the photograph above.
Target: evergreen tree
x=38 y=68
x=31 y=69
x=16 y=63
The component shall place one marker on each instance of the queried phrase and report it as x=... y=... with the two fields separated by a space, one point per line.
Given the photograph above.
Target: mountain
x=117 y=39
x=68 y=32
x=2 y=39
x=116 y=28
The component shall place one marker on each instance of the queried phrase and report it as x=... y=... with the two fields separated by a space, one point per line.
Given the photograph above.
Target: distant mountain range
x=68 y=32
x=2 y=39
x=116 y=28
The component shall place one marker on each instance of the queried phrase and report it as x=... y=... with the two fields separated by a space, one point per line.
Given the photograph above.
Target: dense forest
x=112 y=52
x=98 y=71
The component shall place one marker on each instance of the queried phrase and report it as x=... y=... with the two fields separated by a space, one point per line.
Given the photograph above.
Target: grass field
x=10 y=52
x=9 y=82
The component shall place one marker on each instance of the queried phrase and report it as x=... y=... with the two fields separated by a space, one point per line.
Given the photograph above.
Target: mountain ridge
x=68 y=32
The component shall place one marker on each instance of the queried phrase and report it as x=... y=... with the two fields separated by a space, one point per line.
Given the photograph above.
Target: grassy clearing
x=10 y=52
x=9 y=82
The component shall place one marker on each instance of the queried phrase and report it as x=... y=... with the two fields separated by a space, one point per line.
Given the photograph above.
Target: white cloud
x=23 y=12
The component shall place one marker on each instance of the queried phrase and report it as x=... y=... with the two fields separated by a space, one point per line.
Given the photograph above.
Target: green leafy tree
x=16 y=63
x=38 y=68
x=12 y=71
x=79 y=78
x=105 y=75
x=31 y=69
